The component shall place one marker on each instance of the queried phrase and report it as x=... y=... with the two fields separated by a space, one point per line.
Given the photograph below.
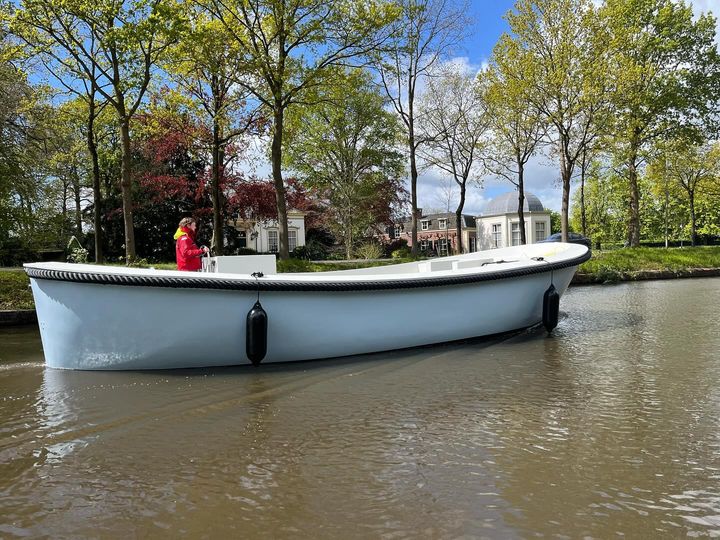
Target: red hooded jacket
x=188 y=255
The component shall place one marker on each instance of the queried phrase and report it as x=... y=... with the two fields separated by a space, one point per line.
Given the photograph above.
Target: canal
x=610 y=427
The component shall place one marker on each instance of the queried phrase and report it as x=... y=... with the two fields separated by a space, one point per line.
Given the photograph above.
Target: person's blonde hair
x=186 y=222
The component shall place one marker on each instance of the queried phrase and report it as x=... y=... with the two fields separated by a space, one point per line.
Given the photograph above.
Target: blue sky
x=542 y=174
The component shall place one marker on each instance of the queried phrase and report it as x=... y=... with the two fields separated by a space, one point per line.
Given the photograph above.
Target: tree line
x=119 y=117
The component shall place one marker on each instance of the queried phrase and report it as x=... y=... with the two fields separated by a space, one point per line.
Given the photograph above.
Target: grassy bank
x=623 y=264
x=14 y=290
x=605 y=266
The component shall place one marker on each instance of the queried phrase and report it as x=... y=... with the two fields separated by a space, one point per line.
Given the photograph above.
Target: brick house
x=437 y=233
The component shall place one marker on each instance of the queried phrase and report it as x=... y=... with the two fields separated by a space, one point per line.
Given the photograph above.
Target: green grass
x=14 y=291
x=614 y=265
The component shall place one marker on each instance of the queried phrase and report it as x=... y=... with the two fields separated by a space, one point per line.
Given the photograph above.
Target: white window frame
x=396 y=231
x=442 y=223
x=423 y=245
x=540 y=234
x=425 y=225
x=515 y=229
x=443 y=247
x=292 y=239
x=497 y=234
x=273 y=238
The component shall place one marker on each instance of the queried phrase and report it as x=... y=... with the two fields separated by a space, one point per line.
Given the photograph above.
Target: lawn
x=611 y=265
x=14 y=291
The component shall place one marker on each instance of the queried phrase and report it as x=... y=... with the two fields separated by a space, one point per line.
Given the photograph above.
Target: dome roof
x=507 y=203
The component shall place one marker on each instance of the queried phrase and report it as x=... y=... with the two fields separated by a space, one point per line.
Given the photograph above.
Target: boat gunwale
x=205 y=281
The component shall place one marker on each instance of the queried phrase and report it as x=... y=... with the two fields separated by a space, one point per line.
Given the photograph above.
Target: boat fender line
x=256 y=329
x=551 y=303
x=551 y=308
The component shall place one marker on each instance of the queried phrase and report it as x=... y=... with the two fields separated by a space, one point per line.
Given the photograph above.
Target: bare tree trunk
x=78 y=209
x=217 y=238
x=693 y=223
x=413 y=194
x=634 y=217
x=583 y=215
x=458 y=220
x=276 y=159
x=126 y=188
x=565 y=174
x=97 y=194
x=521 y=203
x=667 y=203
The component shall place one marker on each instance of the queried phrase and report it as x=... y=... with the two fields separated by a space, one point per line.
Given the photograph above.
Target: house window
x=540 y=231
x=292 y=239
x=443 y=247
x=425 y=225
x=423 y=245
x=273 y=241
x=242 y=239
x=497 y=235
x=473 y=244
x=397 y=232
x=442 y=223
x=515 y=234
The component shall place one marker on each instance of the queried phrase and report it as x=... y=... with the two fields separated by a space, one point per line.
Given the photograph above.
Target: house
x=264 y=236
x=499 y=225
x=437 y=233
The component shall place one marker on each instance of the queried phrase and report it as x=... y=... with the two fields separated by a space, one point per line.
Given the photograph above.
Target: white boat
x=111 y=318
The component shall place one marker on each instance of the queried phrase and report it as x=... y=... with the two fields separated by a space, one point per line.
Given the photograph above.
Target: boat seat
x=472 y=263
x=434 y=266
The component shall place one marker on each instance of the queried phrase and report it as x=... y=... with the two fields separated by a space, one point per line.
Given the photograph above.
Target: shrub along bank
x=630 y=264
x=605 y=266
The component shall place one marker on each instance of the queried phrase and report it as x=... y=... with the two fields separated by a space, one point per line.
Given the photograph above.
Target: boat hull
x=105 y=326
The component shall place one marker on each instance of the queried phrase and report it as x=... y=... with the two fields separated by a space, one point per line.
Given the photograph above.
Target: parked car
x=573 y=238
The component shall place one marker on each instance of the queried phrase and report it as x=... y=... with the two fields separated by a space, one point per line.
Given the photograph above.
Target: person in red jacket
x=188 y=255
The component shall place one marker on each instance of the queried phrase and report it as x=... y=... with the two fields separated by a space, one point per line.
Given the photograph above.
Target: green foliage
x=620 y=261
x=665 y=68
x=369 y=250
x=14 y=290
x=344 y=148
x=313 y=250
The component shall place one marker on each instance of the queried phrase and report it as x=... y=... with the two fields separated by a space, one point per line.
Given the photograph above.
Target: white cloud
x=541 y=179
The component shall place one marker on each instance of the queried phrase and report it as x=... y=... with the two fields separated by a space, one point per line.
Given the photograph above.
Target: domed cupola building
x=499 y=226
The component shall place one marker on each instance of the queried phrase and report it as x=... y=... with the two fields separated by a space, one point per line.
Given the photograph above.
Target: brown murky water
x=611 y=427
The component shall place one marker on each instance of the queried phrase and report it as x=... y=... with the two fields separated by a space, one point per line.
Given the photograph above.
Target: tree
x=692 y=167
x=344 y=148
x=454 y=122
x=603 y=200
x=70 y=78
x=667 y=71
x=114 y=46
x=28 y=197
x=205 y=66
x=292 y=47
x=424 y=35
x=563 y=47
x=517 y=125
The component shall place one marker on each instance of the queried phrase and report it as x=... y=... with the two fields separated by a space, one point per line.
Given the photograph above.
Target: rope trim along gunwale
x=198 y=281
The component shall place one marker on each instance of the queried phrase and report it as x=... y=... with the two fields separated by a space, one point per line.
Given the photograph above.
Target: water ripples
x=609 y=427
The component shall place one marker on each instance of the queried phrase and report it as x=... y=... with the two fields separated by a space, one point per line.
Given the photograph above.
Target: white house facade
x=499 y=225
x=264 y=236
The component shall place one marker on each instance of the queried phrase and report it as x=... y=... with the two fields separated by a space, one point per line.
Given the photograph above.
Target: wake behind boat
x=110 y=318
